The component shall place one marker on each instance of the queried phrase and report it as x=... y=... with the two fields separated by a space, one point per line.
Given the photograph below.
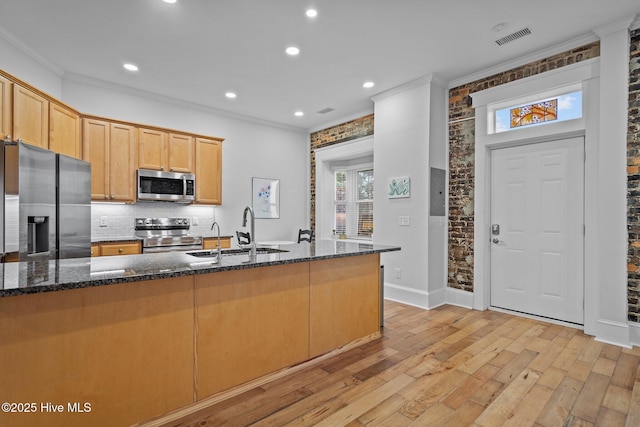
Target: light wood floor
x=450 y=367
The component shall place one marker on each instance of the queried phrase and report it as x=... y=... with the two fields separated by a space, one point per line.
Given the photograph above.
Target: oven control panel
x=162 y=223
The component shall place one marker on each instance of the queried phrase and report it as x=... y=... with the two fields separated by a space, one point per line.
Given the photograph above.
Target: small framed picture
x=266 y=197
x=399 y=187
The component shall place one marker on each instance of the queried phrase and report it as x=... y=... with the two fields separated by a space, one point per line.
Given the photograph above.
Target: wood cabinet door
x=6 y=93
x=181 y=153
x=96 y=151
x=208 y=171
x=64 y=131
x=152 y=149
x=344 y=301
x=122 y=161
x=30 y=117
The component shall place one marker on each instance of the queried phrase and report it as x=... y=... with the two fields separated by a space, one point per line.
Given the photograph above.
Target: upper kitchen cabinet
x=64 y=131
x=6 y=92
x=208 y=171
x=152 y=149
x=30 y=117
x=180 y=150
x=158 y=150
x=111 y=149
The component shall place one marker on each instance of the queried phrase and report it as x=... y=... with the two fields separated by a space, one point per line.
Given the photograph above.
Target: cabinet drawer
x=95 y=250
x=120 y=249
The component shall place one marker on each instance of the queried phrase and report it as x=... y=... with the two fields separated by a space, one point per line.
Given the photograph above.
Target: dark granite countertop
x=19 y=278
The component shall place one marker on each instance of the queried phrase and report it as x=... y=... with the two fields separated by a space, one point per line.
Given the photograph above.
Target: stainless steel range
x=166 y=235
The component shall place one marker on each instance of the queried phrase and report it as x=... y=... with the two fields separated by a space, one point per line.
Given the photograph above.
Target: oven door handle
x=157 y=249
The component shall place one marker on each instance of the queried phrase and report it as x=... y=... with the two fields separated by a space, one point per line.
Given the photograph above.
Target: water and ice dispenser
x=38 y=234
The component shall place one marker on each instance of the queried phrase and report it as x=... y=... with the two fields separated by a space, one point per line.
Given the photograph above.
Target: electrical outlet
x=194 y=220
x=103 y=221
x=398 y=273
x=404 y=220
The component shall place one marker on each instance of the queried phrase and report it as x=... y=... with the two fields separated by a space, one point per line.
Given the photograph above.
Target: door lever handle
x=496 y=240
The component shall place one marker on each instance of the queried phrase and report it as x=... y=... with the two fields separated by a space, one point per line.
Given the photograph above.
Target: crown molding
x=420 y=81
x=31 y=53
x=178 y=102
x=342 y=120
x=524 y=60
x=614 y=27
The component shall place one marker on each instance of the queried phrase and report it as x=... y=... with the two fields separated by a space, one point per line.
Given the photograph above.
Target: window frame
x=557 y=92
x=352 y=202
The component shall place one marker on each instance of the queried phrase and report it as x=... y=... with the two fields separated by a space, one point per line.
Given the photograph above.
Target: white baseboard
x=414 y=297
x=615 y=333
x=634 y=333
x=459 y=298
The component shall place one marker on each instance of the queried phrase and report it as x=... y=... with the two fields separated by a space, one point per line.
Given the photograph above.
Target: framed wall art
x=399 y=187
x=266 y=197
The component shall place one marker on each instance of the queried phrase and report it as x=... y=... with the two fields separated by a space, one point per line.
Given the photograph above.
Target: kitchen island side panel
x=250 y=323
x=126 y=350
x=344 y=301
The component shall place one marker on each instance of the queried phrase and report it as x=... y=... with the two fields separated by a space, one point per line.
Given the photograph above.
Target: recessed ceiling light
x=131 y=67
x=312 y=13
x=230 y=95
x=170 y=1
x=292 y=50
x=298 y=114
x=368 y=85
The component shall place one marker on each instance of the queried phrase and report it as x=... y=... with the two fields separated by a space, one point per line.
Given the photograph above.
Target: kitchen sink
x=259 y=251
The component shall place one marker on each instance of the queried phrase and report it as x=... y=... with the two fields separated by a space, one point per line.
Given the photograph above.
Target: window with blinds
x=353 y=213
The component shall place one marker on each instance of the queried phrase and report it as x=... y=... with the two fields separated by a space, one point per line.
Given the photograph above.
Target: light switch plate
x=194 y=220
x=103 y=221
x=404 y=220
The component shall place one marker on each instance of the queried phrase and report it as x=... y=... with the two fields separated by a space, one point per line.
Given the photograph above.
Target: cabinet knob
x=120 y=250
x=112 y=197
x=106 y=196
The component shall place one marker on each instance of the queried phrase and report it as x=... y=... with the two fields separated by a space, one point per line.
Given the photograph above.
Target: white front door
x=537 y=217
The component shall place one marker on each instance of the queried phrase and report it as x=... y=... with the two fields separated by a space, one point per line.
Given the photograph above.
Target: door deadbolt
x=495 y=229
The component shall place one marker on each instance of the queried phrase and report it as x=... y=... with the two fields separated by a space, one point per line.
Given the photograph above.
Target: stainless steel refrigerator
x=46 y=208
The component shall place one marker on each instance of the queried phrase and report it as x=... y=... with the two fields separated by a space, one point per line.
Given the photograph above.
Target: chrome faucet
x=252 y=250
x=218 y=251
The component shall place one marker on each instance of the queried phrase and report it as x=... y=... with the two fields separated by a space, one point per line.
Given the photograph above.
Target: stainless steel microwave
x=166 y=186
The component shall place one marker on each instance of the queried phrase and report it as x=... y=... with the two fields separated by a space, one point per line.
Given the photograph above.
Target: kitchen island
x=117 y=340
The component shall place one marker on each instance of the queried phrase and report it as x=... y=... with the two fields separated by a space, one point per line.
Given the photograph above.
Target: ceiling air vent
x=326 y=110
x=513 y=36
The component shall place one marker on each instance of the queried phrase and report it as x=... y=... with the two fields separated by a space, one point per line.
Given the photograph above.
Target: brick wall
x=348 y=131
x=633 y=180
x=461 y=157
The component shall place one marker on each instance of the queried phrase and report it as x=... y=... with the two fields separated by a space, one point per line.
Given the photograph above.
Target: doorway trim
x=586 y=74
x=356 y=148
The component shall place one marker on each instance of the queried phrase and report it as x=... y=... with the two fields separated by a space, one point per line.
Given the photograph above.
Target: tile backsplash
x=119 y=218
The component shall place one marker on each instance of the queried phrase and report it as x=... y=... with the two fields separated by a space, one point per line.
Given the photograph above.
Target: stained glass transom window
x=534 y=113
x=547 y=110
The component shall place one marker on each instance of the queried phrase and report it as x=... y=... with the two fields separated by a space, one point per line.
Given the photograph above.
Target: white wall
x=251 y=148
x=27 y=65
x=402 y=141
